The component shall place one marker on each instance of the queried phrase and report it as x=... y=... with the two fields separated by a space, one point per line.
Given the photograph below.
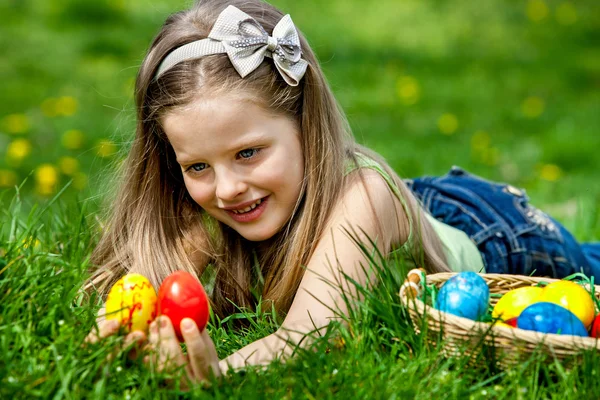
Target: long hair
x=156 y=228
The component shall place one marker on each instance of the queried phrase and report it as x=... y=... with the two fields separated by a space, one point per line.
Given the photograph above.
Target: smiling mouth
x=249 y=208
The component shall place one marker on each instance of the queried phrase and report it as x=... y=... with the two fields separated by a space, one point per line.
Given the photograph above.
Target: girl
x=244 y=162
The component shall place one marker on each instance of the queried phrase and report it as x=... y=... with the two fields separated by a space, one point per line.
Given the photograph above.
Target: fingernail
x=113 y=324
x=163 y=322
x=187 y=324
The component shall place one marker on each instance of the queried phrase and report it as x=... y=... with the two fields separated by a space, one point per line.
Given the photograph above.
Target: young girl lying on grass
x=244 y=161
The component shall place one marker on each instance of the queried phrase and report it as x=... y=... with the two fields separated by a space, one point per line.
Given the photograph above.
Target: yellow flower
x=339 y=342
x=408 y=90
x=8 y=178
x=45 y=190
x=16 y=123
x=31 y=242
x=18 y=149
x=80 y=180
x=72 y=139
x=117 y=4
x=46 y=179
x=49 y=107
x=47 y=175
x=490 y=156
x=566 y=13
x=448 y=123
x=533 y=107
x=66 y=106
x=550 y=172
x=106 y=148
x=68 y=165
x=537 y=10
x=480 y=140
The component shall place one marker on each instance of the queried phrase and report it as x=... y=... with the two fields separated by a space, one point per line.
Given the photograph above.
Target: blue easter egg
x=465 y=295
x=550 y=318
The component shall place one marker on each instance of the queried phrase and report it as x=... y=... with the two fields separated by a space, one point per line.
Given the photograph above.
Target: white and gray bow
x=247 y=44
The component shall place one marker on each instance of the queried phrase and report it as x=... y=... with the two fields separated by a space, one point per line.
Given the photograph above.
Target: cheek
x=281 y=172
x=288 y=179
x=199 y=192
x=296 y=174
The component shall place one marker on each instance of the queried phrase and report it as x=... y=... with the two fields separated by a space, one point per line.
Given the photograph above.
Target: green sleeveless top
x=461 y=253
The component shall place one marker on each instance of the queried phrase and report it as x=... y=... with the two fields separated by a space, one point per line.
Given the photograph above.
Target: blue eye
x=247 y=153
x=197 y=167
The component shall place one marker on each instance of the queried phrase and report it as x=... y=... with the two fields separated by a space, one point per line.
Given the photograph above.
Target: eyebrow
x=248 y=140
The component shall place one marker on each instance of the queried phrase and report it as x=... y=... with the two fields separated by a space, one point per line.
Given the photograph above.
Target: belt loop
x=456 y=170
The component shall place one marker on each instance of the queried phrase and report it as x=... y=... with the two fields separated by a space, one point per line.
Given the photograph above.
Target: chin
x=258 y=235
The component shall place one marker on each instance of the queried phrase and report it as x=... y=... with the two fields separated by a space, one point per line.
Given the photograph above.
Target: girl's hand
x=201 y=359
x=133 y=341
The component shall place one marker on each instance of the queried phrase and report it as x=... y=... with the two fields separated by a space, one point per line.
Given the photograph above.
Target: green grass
x=514 y=86
x=44 y=319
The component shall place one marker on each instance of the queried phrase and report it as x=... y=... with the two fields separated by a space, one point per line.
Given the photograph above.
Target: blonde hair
x=155 y=227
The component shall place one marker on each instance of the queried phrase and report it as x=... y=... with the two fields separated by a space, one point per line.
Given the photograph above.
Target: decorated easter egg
x=132 y=302
x=514 y=301
x=571 y=296
x=595 y=331
x=509 y=323
x=465 y=295
x=550 y=318
x=181 y=296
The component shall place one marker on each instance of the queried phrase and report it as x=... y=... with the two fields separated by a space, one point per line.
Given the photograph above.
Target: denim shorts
x=512 y=236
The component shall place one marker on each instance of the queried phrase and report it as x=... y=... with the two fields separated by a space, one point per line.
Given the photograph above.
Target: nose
x=228 y=185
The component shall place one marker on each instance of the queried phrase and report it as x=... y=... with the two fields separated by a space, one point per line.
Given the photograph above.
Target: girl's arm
x=367 y=208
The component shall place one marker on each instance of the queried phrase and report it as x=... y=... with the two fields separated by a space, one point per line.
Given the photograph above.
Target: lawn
x=507 y=90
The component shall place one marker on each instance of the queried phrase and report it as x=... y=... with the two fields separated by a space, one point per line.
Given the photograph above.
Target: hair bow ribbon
x=247 y=44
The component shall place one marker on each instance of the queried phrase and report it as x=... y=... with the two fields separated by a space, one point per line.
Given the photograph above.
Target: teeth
x=249 y=208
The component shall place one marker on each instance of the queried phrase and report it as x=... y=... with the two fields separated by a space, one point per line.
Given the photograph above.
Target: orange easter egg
x=571 y=296
x=132 y=302
x=514 y=301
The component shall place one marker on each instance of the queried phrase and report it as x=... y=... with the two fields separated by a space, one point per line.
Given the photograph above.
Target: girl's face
x=241 y=164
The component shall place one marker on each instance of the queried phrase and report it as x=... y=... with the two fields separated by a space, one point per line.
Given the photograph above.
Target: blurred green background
x=509 y=90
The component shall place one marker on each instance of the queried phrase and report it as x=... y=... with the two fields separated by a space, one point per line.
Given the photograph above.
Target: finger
x=101 y=316
x=133 y=344
x=213 y=353
x=163 y=340
x=148 y=352
x=197 y=351
x=135 y=338
x=104 y=329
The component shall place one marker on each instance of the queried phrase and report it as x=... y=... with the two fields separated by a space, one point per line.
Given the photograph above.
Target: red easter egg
x=512 y=322
x=181 y=296
x=595 y=331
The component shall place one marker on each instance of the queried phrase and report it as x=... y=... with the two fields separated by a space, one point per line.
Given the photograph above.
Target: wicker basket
x=491 y=343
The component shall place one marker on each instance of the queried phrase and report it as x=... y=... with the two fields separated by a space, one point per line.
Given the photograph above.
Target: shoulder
x=368 y=203
x=370 y=183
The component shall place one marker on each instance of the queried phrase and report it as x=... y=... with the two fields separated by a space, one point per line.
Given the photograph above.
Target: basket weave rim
x=568 y=343
x=444 y=276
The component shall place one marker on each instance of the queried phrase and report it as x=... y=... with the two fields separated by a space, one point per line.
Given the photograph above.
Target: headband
x=247 y=44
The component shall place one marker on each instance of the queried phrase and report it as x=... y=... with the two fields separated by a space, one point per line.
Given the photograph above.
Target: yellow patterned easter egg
x=132 y=301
